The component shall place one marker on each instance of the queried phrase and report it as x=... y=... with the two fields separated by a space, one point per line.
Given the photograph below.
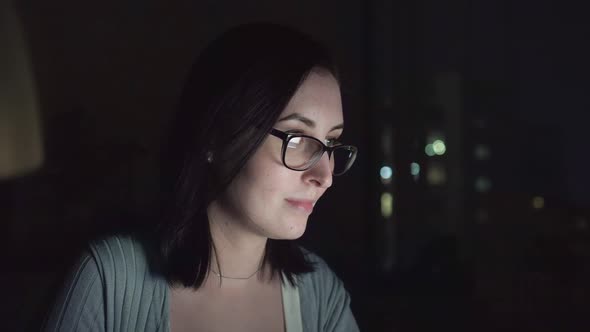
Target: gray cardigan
x=112 y=288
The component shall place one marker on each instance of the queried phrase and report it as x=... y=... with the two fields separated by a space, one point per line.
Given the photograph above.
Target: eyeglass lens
x=302 y=152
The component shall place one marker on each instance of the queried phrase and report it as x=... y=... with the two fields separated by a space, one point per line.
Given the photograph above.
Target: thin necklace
x=235 y=278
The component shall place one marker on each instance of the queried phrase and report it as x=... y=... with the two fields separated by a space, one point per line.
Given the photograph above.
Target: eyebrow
x=307 y=121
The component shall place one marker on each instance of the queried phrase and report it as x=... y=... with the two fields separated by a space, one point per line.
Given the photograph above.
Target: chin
x=292 y=230
x=295 y=236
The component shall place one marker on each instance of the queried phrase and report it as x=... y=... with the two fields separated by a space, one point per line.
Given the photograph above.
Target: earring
x=209 y=157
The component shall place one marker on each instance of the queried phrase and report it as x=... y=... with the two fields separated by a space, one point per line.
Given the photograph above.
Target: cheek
x=271 y=182
x=263 y=181
x=266 y=173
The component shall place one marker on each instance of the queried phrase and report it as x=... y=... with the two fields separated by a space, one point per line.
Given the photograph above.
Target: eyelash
x=331 y=140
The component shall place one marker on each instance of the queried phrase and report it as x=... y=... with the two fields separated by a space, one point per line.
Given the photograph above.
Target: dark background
x=503 y=83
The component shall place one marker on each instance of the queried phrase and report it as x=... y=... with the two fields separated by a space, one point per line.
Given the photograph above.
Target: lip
x=301 y=204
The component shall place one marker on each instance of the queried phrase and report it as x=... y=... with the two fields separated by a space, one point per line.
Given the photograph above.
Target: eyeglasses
x=301 y=152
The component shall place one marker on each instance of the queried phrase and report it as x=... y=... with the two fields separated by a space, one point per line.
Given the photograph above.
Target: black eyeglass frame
x=286 y=137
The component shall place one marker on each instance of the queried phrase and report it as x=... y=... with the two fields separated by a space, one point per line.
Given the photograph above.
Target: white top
x=291 y=307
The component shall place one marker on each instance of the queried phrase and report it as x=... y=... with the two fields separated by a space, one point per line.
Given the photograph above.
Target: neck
x=237 y=252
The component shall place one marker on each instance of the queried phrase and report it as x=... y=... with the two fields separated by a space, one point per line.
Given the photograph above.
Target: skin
x=255 y=207
x=265 y=200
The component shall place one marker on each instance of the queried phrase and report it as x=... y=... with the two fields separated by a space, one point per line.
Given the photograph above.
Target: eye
x=332 y=141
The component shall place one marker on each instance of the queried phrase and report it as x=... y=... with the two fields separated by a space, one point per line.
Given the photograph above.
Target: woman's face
x=268 y=199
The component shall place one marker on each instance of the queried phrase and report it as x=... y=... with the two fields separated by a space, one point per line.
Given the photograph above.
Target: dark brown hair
x=234 y=94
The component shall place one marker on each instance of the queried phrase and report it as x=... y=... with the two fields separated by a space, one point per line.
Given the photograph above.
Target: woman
x=253 y=146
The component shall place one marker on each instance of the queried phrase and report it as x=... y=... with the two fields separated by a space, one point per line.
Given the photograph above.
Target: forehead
x=318 y=98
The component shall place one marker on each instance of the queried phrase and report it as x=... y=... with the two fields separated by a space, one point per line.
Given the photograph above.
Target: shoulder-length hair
x=234 y=94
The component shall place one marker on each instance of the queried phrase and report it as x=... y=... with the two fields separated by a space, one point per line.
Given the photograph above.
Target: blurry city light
x=483 y=184
x=482 y=152
x=436 y=175
x=538 y=202
x=439 y=147
x=415 y=169
x=386 y=172
x=429 y=150
x=435 y=135
x=386 y=205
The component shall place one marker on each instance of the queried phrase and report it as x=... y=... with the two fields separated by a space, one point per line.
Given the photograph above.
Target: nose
x=321 y=173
